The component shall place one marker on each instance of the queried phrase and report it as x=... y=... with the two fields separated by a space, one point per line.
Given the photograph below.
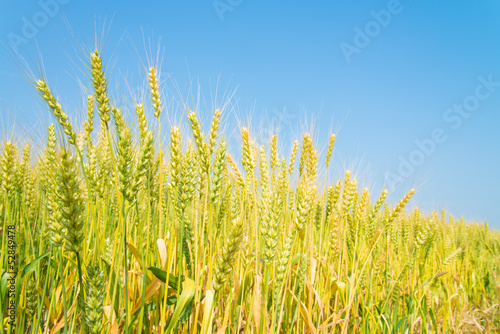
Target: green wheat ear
x=212 y=139
x=225 y=260
x=95 y=300
x=100 y=87
x=9 y=167
x=155 y=91
x=56 y=109
x=31 y=296
x=70 y=202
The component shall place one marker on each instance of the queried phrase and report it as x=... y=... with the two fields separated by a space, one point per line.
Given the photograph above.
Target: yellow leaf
x=150 y=291
x=338 y=286
x=115 y=328
x=162 y=250
x=257 y=299
x=136 y=253
x=208 y=313
x=307 y=318
x=109 y=312
x=314 y=265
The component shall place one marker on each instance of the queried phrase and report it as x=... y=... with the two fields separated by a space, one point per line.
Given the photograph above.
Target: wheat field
x=109 y=229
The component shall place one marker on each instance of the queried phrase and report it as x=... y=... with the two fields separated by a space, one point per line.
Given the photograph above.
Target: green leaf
x=433 y=318
x=186 y=313
x=3 y=288
x=400 y=322
x=159 y=273
x=148 y=308
x=247 y=284
x=31 y=266
x=162 y=276
x=184 y=301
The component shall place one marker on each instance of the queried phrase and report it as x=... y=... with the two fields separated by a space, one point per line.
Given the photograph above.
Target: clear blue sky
x=383 y=74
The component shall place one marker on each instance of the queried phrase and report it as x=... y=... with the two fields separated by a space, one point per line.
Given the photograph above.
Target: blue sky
x=384 y=75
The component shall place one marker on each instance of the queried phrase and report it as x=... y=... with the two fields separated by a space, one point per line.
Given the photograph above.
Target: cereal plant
x=109 y=229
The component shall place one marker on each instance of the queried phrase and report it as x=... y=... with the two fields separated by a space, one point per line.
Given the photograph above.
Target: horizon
x=413 y=105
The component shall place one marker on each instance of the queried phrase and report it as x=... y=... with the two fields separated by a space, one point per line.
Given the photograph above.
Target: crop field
x=111 y=228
